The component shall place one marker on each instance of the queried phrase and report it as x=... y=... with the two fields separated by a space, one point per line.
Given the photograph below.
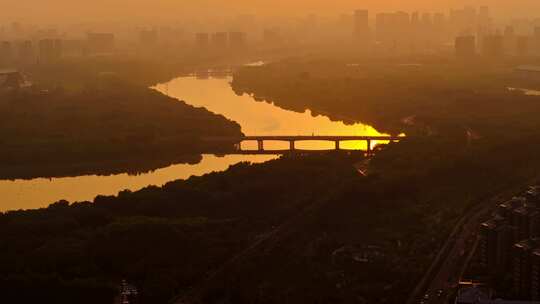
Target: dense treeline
x=113 y=123
x=316 y=229
x=164 y=240
x=298 y=229
x=391 y=95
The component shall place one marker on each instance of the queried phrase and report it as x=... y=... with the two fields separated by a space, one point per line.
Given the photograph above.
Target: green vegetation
x=297 y=229
x=112 y=127
x=434 y=94
x=317 y=230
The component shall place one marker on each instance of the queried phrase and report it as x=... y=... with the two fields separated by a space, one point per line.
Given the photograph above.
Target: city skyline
x=62 y=11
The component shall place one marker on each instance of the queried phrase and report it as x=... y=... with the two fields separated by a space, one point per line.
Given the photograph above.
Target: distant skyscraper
x=100 y=43
x=6 y=52
x=361 y=25
x=394 y=29
x=148 y=37
x=202 y=40
x=237 y=39
x=465 y=46
x=271 y=36
x=523 y=45
x=26 y=52
x=50 y=50
x=220 y=40
x=415 y=19
x=522 y=272
x=484 y=18
x=493 y=45
x=537 y=33
x=535 y=273
x=463 y=21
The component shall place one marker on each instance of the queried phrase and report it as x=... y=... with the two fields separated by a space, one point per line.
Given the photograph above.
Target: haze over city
x=270 y=151
x=59 y=11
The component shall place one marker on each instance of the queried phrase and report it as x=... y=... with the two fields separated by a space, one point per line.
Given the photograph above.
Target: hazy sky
x=107 y=10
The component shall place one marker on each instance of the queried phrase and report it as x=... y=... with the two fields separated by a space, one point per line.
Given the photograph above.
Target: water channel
x=214 y=94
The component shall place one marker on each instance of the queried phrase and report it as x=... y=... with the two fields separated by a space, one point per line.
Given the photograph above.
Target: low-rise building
x=12 y=79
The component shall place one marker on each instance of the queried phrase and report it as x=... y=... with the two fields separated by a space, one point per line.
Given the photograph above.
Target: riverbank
x=333 y=230
x=392 y=96
x=64 y=130
x=131 y=165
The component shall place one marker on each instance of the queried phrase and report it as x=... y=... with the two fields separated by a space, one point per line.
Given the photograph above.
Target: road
x=452 y=268
x=446 y=271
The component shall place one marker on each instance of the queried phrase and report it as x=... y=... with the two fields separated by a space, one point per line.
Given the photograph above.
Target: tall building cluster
x=497 y=44
x=510 y=245
x=221 y=40
x=406 y=31
x=472 y=31
x=47 y=46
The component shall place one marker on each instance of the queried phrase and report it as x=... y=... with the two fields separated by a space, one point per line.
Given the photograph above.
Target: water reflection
x=40 y=192
x=262 y=118
x=256 y=118
x=527 y=92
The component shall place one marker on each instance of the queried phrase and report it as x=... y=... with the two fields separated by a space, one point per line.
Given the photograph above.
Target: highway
x=443 y=277
x=453 y=267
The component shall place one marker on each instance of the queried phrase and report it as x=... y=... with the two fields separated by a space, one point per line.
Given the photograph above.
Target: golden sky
x=87 y=10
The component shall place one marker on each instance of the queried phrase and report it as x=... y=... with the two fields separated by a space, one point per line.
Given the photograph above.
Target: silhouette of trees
x=116 y=122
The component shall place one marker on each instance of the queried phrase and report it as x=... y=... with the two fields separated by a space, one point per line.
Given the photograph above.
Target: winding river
x=215 y=94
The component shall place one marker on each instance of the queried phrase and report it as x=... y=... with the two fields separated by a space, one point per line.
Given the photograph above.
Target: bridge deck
x=306 y=137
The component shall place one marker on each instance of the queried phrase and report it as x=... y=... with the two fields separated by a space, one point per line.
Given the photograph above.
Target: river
x=216 y=95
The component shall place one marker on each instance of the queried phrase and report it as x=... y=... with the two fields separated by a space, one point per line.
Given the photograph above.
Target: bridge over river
x=371 y=142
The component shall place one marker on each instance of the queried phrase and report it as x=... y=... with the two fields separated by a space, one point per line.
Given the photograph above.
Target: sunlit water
x=261 y=118
x=256 y=118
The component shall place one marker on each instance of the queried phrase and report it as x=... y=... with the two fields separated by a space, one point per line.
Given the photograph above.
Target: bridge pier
x=370 y=142
x=292 y=146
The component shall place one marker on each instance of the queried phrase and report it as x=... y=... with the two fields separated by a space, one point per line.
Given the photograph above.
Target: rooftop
x=8 y=71
x=528 y=68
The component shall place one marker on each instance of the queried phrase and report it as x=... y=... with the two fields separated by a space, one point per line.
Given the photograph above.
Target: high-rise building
x=100 y=43
x=522 y=273
x=493 y=46
x=509 y=245
x=50 y=50
x=26 y=52
x=463 y=21
x=484 y=19
x=523 y=45
x=465 y=46
x=219 y=40
x=415 y=19
x=6 y=52
x=535 y=276
x=393 y=28
x=202 y=40
x=526 y=219
x=495 y=245
x=271 y=36
x=361 y=25
x=73 y=48
x=148 y=37
x=237 y=39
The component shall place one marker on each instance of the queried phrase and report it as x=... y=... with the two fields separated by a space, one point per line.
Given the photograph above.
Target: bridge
x=293 y=139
